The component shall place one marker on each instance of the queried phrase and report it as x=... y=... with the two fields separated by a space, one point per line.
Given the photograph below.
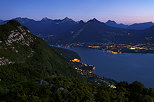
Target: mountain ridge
x=137 y=26
x=68 y=31
x=114 y=24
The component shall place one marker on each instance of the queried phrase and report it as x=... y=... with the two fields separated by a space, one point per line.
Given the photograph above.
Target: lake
x=120 y=67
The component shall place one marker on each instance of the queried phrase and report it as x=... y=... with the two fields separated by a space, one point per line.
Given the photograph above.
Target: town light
x=75 y=60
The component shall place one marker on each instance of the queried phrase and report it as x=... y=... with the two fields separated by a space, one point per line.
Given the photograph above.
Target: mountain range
x=47 y=26
x=96 y=31
x=68 y=31
x=137 y=26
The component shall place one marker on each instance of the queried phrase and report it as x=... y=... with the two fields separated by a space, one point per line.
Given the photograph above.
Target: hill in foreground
x=24 y=56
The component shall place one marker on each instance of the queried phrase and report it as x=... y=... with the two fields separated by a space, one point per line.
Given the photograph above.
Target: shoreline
x=111 y=69
x=87 y=71
x=109 y=51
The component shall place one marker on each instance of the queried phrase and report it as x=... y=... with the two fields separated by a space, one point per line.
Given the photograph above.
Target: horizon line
x=81 y=19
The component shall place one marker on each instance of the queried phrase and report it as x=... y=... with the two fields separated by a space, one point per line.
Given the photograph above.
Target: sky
x=122 y=11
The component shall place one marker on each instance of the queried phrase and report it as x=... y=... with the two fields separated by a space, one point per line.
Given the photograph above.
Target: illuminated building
x=75 y=60
x=132 y=48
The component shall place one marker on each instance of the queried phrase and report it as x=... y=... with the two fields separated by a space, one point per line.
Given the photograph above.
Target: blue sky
x=122 y=11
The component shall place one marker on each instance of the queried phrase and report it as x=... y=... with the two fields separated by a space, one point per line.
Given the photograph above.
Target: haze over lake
x=120 y=67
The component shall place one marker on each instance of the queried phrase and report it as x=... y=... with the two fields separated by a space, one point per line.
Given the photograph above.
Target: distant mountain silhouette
x=67 y=30
x=95 y=31
x=81 y=22
x=141 y=26
x=45 y=19
x=137 y=26
x=48 y=27
x=114 y=24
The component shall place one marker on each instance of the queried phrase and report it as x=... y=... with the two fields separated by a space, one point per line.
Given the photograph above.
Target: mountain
x=114 y=24
x=48 y=28
x=24 y=56
x=141 y=26
x=135 y=26
x=65 y=20
x=47 y=20
x=37 y=27
x=95 y=31
x=67 y=30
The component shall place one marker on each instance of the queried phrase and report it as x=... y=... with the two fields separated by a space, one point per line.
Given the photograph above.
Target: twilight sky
x=122 y=11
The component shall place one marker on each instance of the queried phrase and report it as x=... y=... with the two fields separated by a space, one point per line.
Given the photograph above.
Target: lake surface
x=120 y=67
